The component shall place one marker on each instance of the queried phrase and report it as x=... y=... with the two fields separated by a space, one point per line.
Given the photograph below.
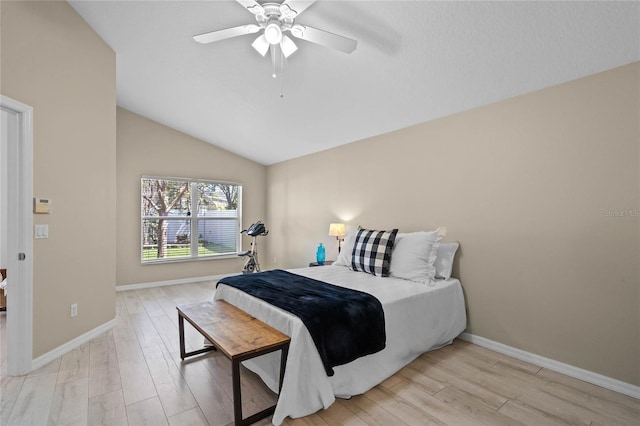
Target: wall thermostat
x=42 y=205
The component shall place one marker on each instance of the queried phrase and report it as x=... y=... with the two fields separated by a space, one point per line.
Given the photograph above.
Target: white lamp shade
x=288 y=46
x=261 y=45
x=337 y=230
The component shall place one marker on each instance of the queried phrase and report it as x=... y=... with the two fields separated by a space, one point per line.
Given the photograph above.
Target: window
x=186 y=219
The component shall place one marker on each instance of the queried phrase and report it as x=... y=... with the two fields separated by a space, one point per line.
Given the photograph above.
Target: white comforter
x=418 y=318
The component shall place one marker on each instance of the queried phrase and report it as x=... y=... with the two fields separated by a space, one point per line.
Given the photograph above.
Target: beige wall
x=524 y=185
x=148 y=148
x=53 y=61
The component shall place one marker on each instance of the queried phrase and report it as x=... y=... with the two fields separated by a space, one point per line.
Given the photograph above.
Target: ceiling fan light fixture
x=288 y=46
x=261 y=45
x=273 y=33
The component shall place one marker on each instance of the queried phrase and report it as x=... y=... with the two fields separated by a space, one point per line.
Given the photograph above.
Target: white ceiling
x=415 y=61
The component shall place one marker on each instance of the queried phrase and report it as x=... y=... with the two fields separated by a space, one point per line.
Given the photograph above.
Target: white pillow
x=444 y=259
x=414 y=256
x=344 y=258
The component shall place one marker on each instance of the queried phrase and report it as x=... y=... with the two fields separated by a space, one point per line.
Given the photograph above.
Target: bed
x=419 y=317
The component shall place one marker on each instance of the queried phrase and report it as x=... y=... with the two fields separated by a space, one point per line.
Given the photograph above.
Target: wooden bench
x=239 y=336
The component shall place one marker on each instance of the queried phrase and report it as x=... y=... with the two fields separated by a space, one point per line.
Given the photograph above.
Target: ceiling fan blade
x=226 y=33
x=293 y=8
x=261 y=45
x=288 y=46
x=252 y=6
x=324 y=38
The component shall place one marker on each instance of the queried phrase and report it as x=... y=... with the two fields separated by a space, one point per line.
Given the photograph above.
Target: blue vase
x=320 y=254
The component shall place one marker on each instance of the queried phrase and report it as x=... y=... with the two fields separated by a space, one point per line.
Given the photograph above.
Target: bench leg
x=181 y=331
x=237 y=395
x=183 y=353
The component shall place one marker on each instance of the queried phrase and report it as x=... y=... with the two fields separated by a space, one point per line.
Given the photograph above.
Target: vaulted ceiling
x=415 y=61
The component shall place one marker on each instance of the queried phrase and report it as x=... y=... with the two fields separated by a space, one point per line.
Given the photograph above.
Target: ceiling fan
x=273 y=20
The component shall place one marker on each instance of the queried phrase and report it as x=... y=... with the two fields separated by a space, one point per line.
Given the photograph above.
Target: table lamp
x=337 y=230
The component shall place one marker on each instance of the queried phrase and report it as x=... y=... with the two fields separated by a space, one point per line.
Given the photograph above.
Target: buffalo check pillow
x=372 y=251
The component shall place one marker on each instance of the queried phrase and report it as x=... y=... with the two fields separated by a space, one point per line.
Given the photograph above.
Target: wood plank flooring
x=133 y=375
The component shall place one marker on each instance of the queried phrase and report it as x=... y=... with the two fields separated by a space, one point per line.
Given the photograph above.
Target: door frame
x=16 y=197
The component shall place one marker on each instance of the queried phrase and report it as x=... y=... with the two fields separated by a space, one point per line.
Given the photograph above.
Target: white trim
x=171 y=282
x=72 y=344
x=560 y=367
x=19 y=240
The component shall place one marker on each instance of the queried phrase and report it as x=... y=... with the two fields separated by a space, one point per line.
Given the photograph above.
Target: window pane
x=217 y=196
x=218 y=231
x=166 y=238
x=217 y=235
x=162 y=197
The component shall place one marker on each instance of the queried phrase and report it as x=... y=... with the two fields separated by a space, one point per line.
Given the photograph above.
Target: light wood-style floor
x=133 y=375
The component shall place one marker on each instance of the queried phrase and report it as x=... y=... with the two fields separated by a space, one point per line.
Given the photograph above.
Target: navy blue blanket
x=344 y=324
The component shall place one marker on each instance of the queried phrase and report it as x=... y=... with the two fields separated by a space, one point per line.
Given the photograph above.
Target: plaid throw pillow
x=372 y=251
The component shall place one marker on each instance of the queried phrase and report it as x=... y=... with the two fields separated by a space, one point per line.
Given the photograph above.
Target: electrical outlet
x=74 y=309
x=275 y=259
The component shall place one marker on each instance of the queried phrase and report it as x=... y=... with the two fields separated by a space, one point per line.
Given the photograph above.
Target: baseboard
x=71 y=345
x=170 y=282
x=560 y=367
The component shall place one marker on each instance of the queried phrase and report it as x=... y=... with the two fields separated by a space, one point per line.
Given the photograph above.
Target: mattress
x=418 y=318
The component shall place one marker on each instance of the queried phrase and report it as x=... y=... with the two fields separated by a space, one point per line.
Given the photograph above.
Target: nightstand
x=327 y=262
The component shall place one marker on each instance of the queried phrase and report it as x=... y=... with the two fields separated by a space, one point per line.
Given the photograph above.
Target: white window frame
x=194 y=219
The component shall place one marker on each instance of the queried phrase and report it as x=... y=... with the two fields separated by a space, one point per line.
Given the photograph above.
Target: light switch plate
x=42 y=231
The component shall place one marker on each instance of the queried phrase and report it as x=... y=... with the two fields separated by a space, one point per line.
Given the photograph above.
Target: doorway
x=16 y=222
